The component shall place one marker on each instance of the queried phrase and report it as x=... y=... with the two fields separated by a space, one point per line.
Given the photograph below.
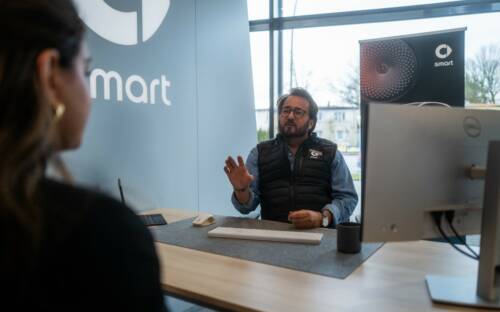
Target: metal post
x=271 y=69
x=489 y=263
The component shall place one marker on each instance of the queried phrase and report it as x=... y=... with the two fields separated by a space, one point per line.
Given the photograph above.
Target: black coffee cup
x=349 y=237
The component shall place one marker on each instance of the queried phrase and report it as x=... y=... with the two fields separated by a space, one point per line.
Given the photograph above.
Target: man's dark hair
x=313 y=107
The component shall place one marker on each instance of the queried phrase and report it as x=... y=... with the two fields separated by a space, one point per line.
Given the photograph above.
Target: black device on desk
x=153 y=219
x=148 y=219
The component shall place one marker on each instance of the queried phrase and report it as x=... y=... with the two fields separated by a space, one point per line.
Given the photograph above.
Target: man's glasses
x=297 y=112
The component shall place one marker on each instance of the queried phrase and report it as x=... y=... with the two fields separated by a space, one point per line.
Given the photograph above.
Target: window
x=325 y=60
x=259 y=42
x=339 y=116
x=340 y=135
x=307 y=7
x=258 y=9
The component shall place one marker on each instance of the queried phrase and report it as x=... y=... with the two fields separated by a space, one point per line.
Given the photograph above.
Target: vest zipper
x=296 y=167
x=292 y=192
x=300 y=163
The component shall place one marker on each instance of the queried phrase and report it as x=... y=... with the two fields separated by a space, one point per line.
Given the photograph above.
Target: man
x=296 y=177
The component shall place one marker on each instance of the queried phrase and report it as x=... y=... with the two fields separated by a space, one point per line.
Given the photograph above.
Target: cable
x=449 y=215
x=434 y=103
x=420 y=104
x=437 y=218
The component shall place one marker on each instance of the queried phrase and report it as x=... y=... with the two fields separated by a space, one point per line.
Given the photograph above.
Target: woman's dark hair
x=28 y=27
x=313 y=107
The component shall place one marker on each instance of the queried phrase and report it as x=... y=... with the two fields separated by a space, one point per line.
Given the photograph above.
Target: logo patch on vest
x=314 y=154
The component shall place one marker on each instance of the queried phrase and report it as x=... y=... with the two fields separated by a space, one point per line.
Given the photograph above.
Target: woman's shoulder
x=56 y=191
x=71 y=198
x=76 y=209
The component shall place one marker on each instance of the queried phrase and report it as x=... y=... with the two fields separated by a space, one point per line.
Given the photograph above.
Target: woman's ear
x=47 y=65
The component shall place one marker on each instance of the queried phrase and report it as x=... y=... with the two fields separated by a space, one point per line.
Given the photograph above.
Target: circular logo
x=124 y=28
x=472 y=127
x=443 y=51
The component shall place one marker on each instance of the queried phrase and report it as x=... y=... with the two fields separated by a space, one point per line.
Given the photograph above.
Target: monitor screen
x=417 y=161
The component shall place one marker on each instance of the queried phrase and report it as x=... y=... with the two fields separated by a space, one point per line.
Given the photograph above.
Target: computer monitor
x=419 y=160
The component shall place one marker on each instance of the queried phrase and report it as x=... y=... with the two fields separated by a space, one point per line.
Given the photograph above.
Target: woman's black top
x=95 y=254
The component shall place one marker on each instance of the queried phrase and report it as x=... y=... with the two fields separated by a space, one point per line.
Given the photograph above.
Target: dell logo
x=472 y=126
x=443 y=51
x=122 y=27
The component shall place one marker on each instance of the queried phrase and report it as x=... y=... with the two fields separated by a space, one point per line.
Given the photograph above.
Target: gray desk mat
x=322 y=259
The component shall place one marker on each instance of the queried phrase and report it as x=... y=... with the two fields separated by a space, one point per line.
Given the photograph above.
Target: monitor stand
x=481 y=292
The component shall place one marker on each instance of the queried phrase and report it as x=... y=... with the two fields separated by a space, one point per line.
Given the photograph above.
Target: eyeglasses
x=297 y=112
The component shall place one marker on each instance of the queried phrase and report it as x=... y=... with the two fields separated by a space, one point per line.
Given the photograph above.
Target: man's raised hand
x=237 y=173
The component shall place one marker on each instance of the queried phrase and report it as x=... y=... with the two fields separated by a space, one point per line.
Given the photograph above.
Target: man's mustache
x=290 y=123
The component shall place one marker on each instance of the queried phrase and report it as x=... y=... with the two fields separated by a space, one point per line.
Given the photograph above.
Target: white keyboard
x=267 y=235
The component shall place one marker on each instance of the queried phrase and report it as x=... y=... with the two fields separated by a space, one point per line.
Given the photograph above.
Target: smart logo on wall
x=99 y=17
x=443 y=51
x=122 y=28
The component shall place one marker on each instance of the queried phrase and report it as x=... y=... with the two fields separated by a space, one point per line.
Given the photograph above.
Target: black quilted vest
x=307 y=187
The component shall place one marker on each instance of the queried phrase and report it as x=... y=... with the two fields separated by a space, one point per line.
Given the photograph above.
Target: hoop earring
x=58 y=111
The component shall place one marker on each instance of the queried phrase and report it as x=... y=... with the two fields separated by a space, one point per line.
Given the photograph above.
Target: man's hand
x=237 y=173
x=305 y=219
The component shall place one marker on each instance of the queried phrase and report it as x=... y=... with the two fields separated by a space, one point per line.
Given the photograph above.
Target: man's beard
x=291 y=130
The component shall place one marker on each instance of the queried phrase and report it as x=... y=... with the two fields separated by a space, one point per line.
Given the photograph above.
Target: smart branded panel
x=165 y=91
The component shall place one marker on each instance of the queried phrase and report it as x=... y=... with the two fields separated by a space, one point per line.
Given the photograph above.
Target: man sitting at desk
x=297 y=176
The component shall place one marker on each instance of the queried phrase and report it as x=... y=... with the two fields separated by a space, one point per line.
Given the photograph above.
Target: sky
x=326 y=55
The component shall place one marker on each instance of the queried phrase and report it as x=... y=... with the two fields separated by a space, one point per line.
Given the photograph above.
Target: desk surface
x=393 y=279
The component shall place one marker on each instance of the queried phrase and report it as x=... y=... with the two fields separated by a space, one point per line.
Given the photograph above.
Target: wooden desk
x=393 y=279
